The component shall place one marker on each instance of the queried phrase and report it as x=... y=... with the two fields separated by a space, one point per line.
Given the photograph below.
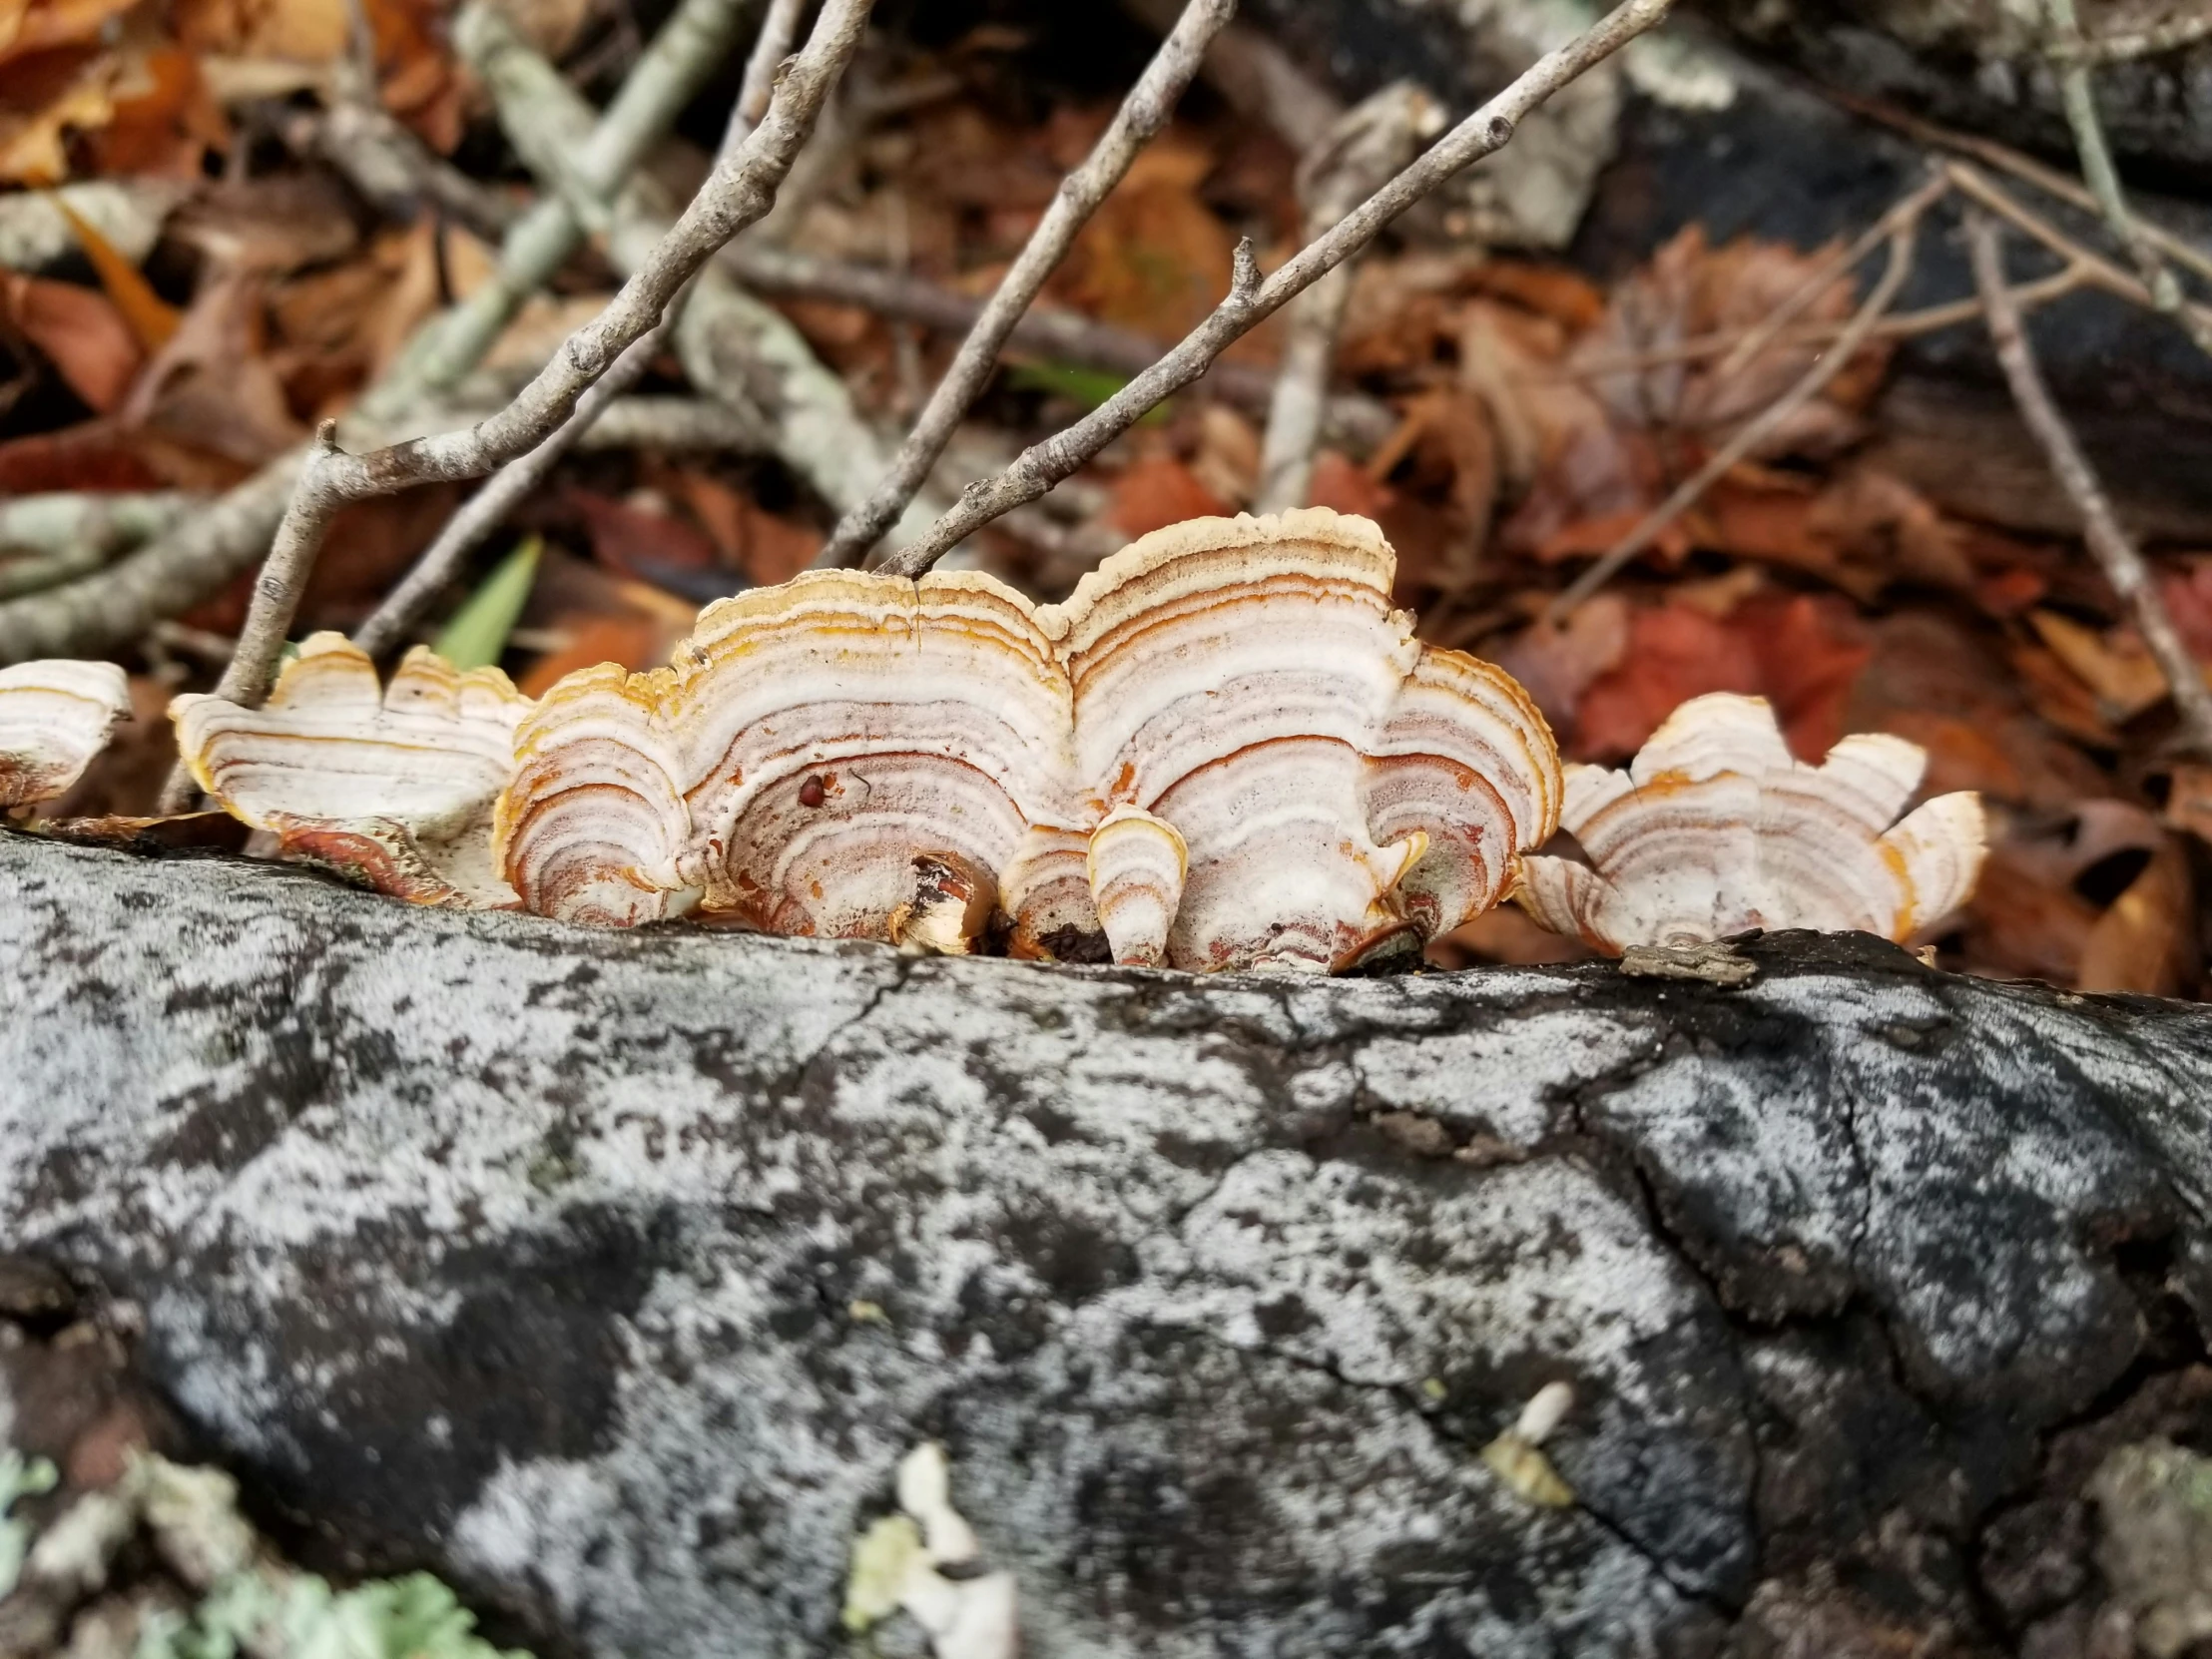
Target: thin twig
x=519 y=478
x=1251 y=300
x=194 y=559
x=1929 y=320
x=2004 y=159
x=736 y=193
x=1907 y=210
x=1046 y=330
x=1348 y=162
x=736 y=349
x=673 y=65
x=2176 y=35
x=1142 y=114
x=508 y=488
x=2115 y=553
x=2102 y=175
x=1904 y=239
x=770 y=47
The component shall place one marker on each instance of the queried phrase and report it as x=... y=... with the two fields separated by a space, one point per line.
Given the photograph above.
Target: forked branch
x=1251 y=300
x=1141 y=115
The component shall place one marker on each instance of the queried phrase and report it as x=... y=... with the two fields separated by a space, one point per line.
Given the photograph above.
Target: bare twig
x=770 y=47
x=484 y=511
x=1903 y=240
x=1062 y=335
x=1251 y=300
x=1348 y=162
x=2116 y=554
x=1142 y=114
x=2004 y=159
x=394 y=170
x=672 y=67
x=2102 y=176
x=734 y=348
x=46 y=540
x=1255 y=77
x=184 y=566
x=2176 y=35
x=736 y=193
x=520 y=477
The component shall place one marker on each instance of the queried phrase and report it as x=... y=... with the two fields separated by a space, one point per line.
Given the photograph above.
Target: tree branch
x=1251 y=300
x=1142 y=114
x=1047 y=331
x=1903 y=237
x=521 y=477
x=1346 y=164
x=2116 y=554
x=2102 y=175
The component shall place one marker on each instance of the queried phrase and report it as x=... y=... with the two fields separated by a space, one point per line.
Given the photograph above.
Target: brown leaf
x=2144 y=943
x=298 y=31
x=44 y=99
x=641 y=542
x=636 y=642
x=81 y=333
x=2114 y=664
x=1154 y=257
x=210 y=386
x=1801 y=653
x=165 y=120
x=1557 y=663
x=1156 y=491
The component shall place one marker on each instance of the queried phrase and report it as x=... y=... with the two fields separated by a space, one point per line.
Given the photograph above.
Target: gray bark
x=547 y=1258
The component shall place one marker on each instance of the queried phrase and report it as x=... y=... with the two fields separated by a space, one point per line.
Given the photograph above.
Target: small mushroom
x=55 y=716
x=589 y=828
x=1715 y=829
x=1137 y=864
x=393 y=787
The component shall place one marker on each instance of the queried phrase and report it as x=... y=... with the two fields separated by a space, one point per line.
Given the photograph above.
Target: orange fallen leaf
x=153 y=319
x=27 y=26
x=81 y=333
x=1800 y=653
x=635 y=641
x=2144 y=943
x=2113 y=665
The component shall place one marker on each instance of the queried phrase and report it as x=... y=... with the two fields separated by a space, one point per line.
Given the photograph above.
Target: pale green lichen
x=19 y=1477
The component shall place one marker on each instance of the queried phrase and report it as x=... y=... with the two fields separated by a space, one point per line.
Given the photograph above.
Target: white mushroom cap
x=55 y=716
x=395 y=786
x=1716 y=829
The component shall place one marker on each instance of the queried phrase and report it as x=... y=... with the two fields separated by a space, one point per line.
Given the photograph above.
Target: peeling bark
x=611 y=1275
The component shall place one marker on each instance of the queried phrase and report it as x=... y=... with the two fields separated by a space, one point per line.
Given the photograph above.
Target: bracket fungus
x=395 y=786
x=1225 y=750
x=55 y=716
x=1716 y=829
x=1339 y=788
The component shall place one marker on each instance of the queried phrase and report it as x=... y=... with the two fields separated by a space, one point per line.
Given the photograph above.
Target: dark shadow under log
x=611 y=1275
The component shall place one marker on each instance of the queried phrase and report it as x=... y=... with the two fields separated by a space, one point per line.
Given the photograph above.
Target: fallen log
x=611 y=1275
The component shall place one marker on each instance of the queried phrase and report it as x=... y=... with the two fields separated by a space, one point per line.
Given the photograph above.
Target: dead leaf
x=43 y=101
x=81 y=333
x=636 y=642
x=1153 y=256
x=1800 y=653
x=152 y=318
x=1227 y=459
x=211 y=387
x=1156 y=491
x=2144 y=943
x=2114 y=664
x=294 y=31
x=165 y=120
x=1557 y=663
x=643 y=541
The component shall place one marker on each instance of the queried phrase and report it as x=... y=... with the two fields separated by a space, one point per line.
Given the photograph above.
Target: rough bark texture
x=611 y=1273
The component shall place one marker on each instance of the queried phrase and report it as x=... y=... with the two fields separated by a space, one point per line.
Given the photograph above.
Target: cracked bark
x=540 y=1257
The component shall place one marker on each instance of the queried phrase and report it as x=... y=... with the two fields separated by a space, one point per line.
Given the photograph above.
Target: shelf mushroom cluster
x=1223 y=750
